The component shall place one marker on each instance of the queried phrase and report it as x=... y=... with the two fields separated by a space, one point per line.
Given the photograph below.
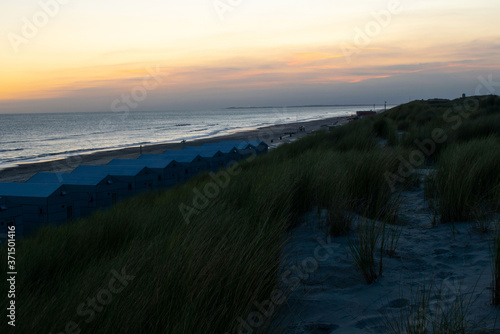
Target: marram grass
x=200 y=277
x=205 y=275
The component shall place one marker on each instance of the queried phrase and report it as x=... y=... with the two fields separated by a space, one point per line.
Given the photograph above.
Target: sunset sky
x=84 y=55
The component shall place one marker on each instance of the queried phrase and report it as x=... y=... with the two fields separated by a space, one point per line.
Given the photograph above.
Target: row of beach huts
x=55 y=198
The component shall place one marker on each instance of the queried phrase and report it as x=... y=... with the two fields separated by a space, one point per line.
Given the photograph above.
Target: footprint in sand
x=321 y=328
x=398 y=303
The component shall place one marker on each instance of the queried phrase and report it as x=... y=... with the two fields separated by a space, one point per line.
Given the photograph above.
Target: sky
x=76 y=56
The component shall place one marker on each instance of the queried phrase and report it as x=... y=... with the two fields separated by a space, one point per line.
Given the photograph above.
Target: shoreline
x=23 y=172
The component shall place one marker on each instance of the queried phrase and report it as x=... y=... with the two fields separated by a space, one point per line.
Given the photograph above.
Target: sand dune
x=334 y=298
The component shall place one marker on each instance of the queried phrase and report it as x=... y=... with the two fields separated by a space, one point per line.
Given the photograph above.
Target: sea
x=28 y=138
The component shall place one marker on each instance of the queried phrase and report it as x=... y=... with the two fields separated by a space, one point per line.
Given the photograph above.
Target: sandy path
x=334 y=298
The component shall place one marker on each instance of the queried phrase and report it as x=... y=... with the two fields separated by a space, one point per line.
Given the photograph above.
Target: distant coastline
x=305 y=106
x=271 y=134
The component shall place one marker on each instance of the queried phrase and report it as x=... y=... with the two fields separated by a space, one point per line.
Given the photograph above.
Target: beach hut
x=43 y=204
x=159 y=166
x=231 y=149
x=227 y=146
x=185 y=164
x=259 y=146
x=245 y=148
x=199 y=164
x=177 y=172
x=101 y=191
x=238 y=144
x=10 y=214
x=137 y=178
x=216 y=158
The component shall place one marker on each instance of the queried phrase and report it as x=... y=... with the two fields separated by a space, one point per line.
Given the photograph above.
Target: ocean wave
x=199 y=130
x=12 y=150
x=67 y=153
x=15 y=142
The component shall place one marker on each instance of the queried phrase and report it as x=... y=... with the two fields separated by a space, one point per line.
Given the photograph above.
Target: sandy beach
x=269 y=134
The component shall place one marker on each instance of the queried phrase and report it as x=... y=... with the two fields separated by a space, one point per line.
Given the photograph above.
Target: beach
x=269 y=134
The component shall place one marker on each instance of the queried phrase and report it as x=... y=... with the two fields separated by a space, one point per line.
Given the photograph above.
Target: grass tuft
x=495 y=268
x=468 y=179
x=362 y=248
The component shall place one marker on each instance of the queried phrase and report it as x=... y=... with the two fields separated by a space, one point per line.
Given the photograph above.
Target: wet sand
x=269 y=134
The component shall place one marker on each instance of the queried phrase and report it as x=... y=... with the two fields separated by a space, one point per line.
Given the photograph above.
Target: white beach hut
x=43 y=204
x=101 y=190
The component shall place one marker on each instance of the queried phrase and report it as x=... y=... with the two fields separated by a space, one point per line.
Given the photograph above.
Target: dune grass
x=427 y=312
x=482 y=127
x=461 y=120
x=340 y=218
x=362 y=248
x=212 y=269
x=412 y=319
x=203 y=274
x=468 y=179
x=179 y=270
x=495 y=268
x=391 y=237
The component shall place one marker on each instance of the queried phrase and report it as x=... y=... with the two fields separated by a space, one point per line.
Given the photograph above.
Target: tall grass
x=213 y=269
x=495 y=268
x=427 y=312
x=482 y=127
x=413 y=319
x=357 y=135
x=203 y=276
x=392 y=236
x=363 y=246
x=340 y=218
x=461 y=120
x=467 y=179
x=385 y=128
x=454 y=317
